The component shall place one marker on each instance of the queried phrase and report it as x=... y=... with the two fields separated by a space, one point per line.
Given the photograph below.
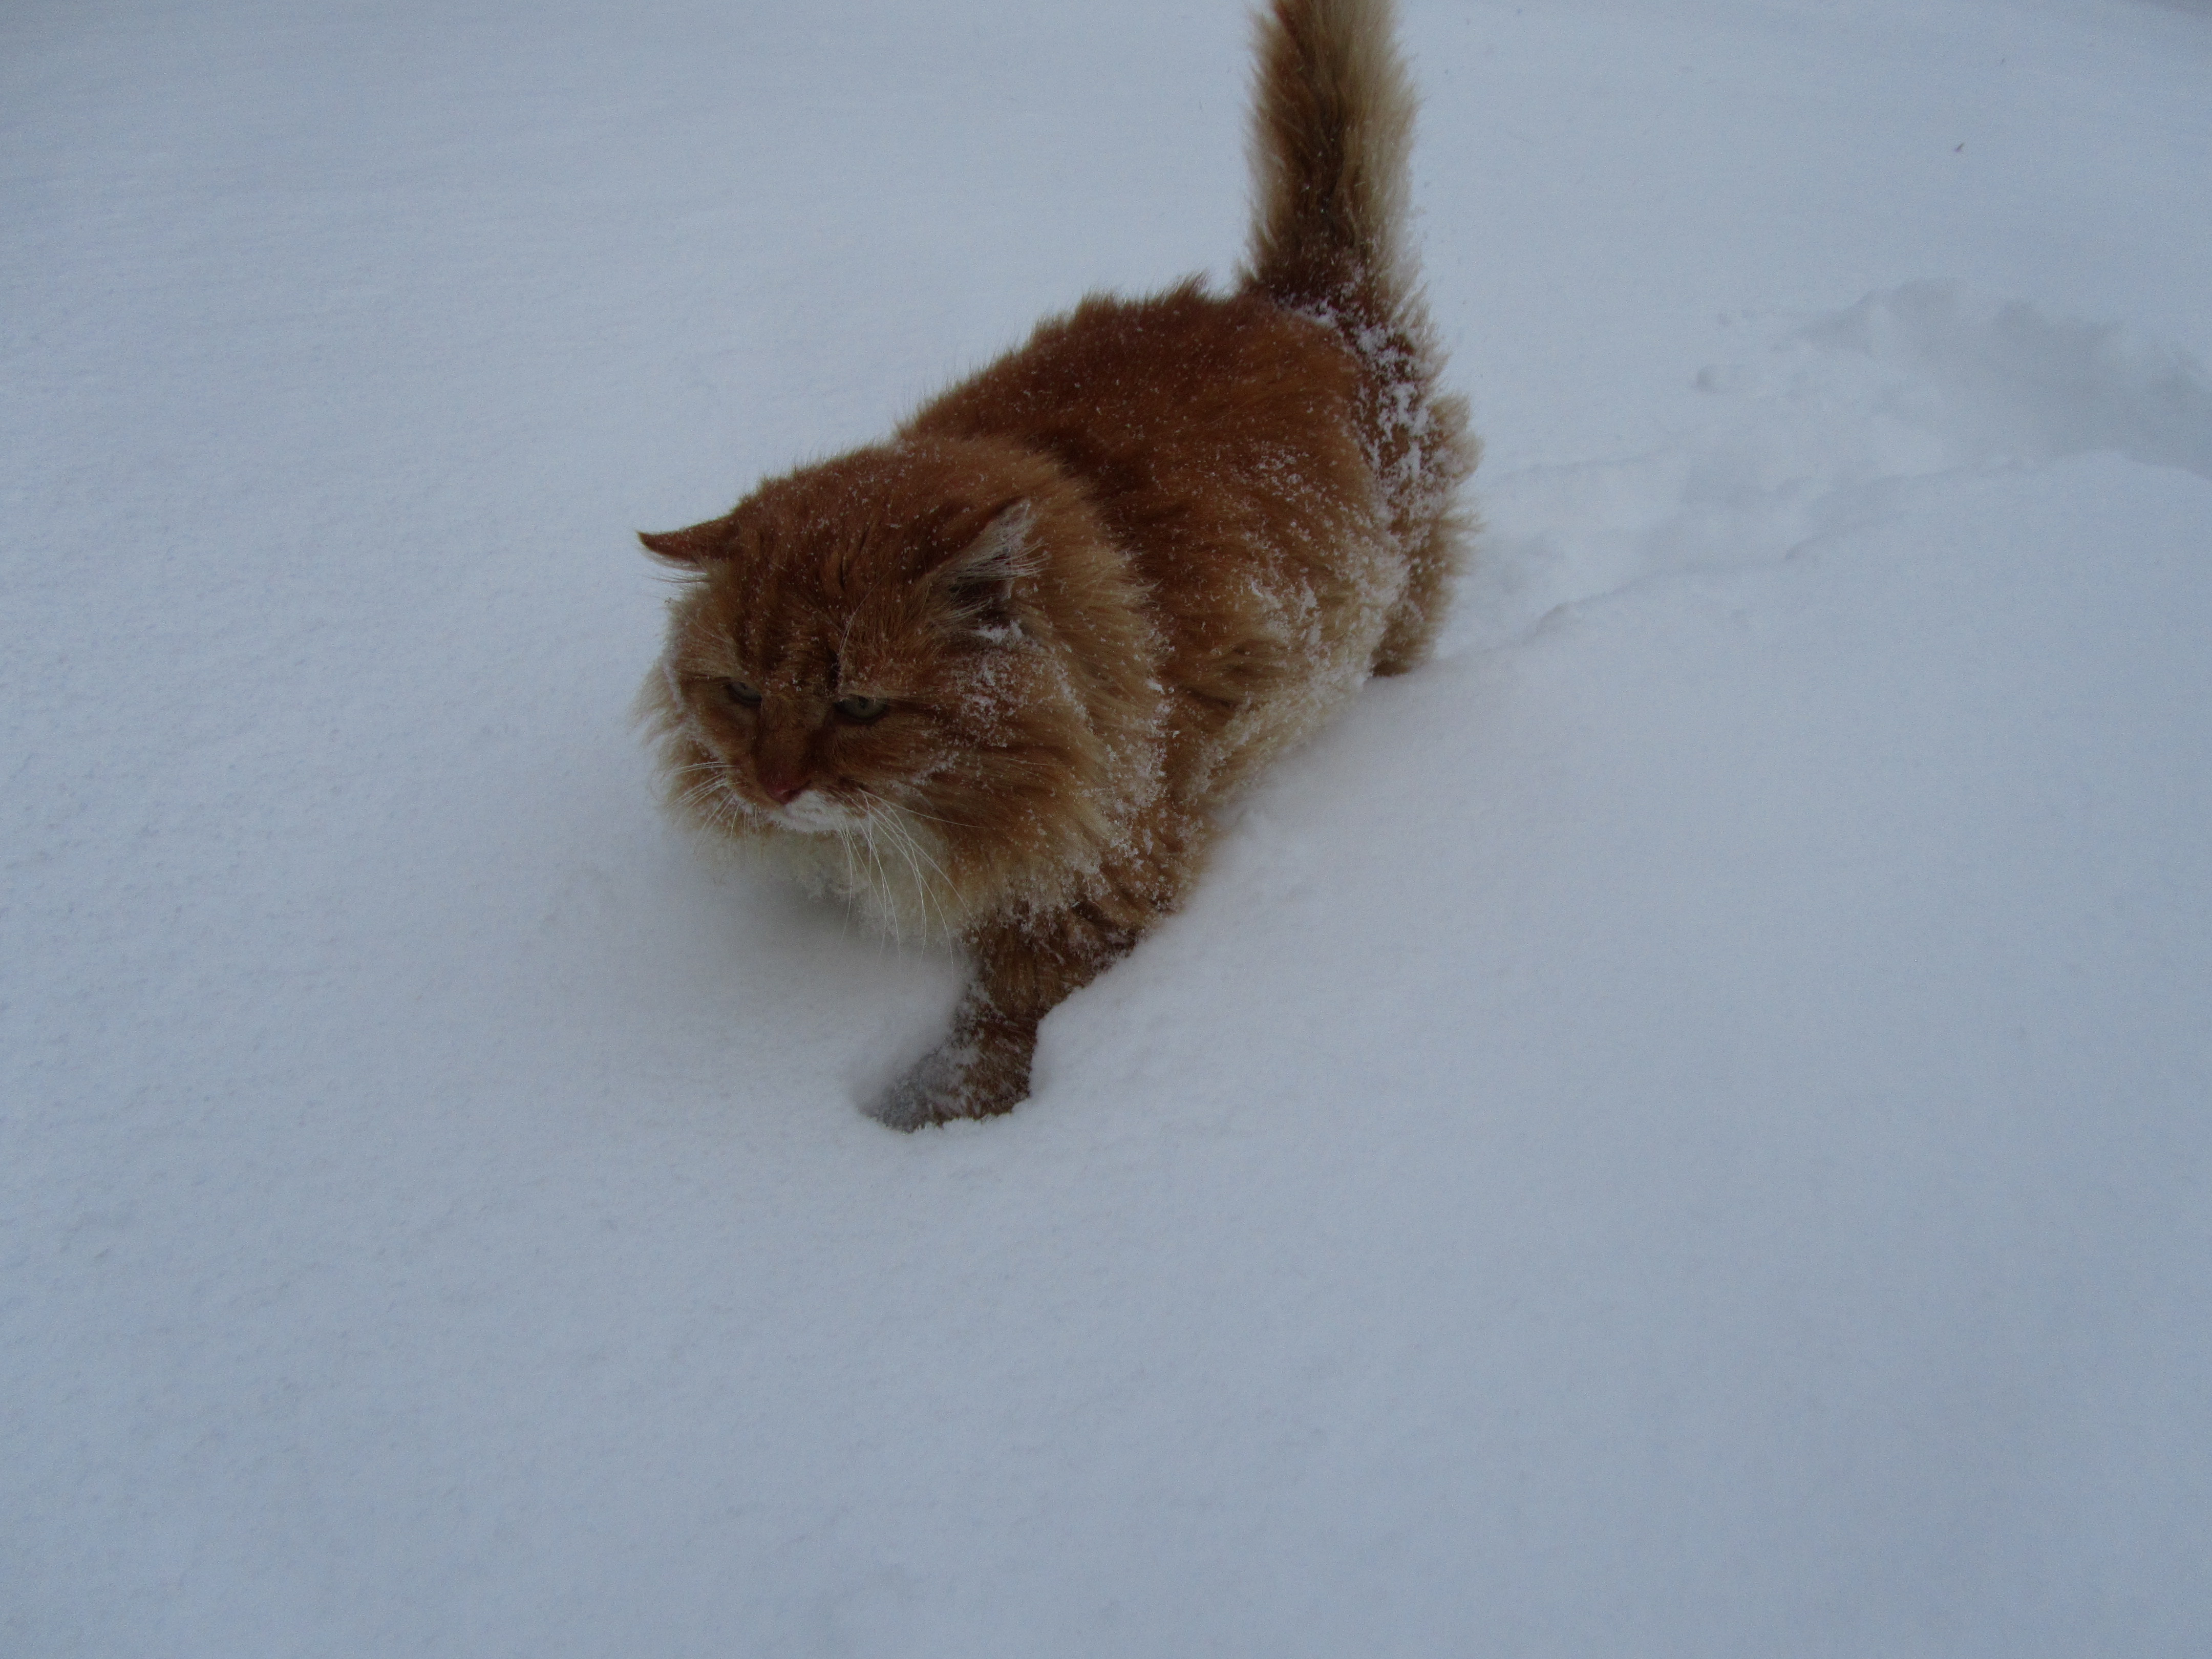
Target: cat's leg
x=1432 y=527
x=1411 y=633
x=1026 y=966
x=983 y=1066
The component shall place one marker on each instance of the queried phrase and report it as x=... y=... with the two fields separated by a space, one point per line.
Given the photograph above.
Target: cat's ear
x=982 y=577
x=693 y=545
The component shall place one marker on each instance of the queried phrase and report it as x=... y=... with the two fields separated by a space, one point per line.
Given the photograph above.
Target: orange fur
x=991 y=678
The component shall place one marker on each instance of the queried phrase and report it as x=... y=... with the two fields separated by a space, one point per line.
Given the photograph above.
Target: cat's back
x=1182 y=394
x=1219 y=440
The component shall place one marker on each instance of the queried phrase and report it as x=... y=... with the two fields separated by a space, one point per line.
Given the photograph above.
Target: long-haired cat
x=991 y=678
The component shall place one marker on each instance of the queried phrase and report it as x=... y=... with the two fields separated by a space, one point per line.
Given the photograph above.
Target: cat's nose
x=786 y=787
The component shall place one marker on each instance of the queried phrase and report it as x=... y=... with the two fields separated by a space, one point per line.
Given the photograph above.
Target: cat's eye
x=862 y=709
x=739 y=692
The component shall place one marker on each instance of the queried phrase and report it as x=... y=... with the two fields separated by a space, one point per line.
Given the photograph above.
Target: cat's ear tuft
x=981 y=578
x=693 y=545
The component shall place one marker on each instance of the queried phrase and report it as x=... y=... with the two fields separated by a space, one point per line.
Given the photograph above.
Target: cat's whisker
x=916 y=812
x=909 y=847
x=714 y=802
x=878 y=811
x=915 y=850
x=881 y=880
x=920 y=888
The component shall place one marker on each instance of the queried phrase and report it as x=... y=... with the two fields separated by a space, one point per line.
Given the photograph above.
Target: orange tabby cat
x=991 y=678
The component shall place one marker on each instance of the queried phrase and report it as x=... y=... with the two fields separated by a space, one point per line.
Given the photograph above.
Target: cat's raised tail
x=1332 y=125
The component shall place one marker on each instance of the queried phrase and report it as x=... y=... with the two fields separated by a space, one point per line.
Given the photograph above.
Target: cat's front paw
x=967 y=1077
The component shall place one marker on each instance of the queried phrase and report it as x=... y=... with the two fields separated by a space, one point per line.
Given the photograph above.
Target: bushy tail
x=1332 y=125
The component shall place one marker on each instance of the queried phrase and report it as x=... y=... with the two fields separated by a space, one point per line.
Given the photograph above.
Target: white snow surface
x=1680 y=1128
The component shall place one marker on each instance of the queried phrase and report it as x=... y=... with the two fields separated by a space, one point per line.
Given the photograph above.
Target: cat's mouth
x=811 y=812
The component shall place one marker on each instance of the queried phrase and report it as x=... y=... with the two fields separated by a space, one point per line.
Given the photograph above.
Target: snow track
x=1814 y=431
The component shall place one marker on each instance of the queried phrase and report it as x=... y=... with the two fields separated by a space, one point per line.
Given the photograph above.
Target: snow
x=1680 y=1128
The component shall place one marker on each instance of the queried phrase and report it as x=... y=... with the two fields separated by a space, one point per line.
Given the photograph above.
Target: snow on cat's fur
x=991 y=677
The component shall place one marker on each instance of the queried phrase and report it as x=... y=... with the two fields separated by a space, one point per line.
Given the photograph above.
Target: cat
x=992 y=678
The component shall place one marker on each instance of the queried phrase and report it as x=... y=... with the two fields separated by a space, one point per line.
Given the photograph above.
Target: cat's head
x=898 y=643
